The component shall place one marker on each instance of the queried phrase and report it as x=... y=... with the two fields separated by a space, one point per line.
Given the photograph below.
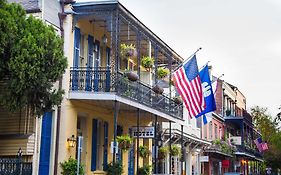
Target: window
x=82 y=51
x=220 y=133
x=205 y=131
x=210 y=130
x=99 y=139
x=216 y=131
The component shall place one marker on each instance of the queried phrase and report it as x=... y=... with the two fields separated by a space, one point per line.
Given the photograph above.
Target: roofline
x=153 y=34
x=122 y=7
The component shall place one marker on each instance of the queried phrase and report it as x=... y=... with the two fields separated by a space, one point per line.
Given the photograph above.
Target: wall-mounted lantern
x=71 y=141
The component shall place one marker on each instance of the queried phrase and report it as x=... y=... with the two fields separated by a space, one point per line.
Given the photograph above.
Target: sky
x=240 y=38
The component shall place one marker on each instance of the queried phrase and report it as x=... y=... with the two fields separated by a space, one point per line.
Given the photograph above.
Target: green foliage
x=147 y=62
x=162 y=72
x=145 y=170
x=31 y=61
x=163 y=152
x=69 y=167
x=127 y=50
x=175 y=150
x=115 y=168
x=268 y=127
x=144 y=151
x=124 y=142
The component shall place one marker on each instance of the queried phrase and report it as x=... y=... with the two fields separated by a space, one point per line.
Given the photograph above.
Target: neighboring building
x=188 y=137
x=21 y=133
x=232 y=133
x=220 y=151
x=241 y=131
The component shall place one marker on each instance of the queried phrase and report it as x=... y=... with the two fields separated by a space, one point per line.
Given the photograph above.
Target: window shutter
x=105 y=146
x=75 y=75
x=77 y=37
x=94 y=144
x=45 y=147
x=90 y=63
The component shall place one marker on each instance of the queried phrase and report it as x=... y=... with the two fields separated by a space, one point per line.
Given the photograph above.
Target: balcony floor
x=106 y=100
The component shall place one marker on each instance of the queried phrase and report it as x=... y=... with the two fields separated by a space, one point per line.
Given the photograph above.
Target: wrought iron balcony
x=103 y=80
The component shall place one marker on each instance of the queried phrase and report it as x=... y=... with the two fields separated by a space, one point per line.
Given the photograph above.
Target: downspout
x=61 y=16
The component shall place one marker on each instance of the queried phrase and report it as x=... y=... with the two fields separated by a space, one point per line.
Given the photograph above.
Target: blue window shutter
x=94 y=144
x=45 y=147
x=96 y=73
x=90 y=63
x=105 y=147
x=77 y=37
x=75 y=76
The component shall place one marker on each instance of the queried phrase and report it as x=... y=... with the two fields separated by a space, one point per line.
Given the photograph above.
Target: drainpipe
x=61 y=16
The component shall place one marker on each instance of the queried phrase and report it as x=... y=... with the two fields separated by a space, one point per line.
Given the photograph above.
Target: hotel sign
x=144 y=132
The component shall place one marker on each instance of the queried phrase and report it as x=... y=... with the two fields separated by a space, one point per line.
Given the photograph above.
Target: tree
x=268 y=126
x=31 y=61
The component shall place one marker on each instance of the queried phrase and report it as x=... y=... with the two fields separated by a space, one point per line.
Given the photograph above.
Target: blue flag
x=208 y=91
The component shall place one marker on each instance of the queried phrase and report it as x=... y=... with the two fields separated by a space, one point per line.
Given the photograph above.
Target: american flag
x=188 y=84
x=264 y=146
x=258 y=143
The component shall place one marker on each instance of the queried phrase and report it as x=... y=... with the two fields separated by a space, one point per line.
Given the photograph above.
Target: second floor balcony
x=101 y=81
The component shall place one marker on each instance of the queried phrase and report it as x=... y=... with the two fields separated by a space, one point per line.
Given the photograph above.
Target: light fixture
x=104 y=38
x=71 y=141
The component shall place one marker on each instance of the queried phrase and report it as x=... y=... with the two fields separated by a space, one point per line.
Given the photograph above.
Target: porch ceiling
x=103 y=14
x=123 y=108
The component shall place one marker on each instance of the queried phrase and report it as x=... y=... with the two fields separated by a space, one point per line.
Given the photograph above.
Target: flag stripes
x=190 y=89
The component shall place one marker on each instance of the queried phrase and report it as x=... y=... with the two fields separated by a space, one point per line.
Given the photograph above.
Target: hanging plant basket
x=147 y=62
x=162 y=72
x=177 y=100
x=163 y=152
x=144 y=151
x=157 y=89
x=175 y=150
x=124 y=142
x=132 y=76
x=128 y=51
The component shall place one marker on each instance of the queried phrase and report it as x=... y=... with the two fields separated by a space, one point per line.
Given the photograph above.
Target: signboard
x=204 y=158
x=225 y=163
x=236 y=140
x=144 y=131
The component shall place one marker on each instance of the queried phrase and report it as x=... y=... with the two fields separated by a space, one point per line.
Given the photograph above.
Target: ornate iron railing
x=102 y=80
x=15 y=166
x=246 y=149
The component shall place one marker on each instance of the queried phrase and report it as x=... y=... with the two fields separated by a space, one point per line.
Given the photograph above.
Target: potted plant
x=147 y=62
x=115 y=168
x=163 y=152
x=158 y=89
x=145 y=170
x=132 y=76
x=175 y=150
x=144 y=151
x=177 y=99
x=69 y=167
x=162 y=72
x=127 y=51
x=124 y=142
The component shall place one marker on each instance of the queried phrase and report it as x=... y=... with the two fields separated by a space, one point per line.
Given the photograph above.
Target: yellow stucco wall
x=126 y=119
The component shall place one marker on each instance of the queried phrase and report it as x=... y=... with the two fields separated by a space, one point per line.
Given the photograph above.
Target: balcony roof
x=82 y=8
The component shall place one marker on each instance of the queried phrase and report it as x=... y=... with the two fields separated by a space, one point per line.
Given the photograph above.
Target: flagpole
x=200 y=48
x=204 y=65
